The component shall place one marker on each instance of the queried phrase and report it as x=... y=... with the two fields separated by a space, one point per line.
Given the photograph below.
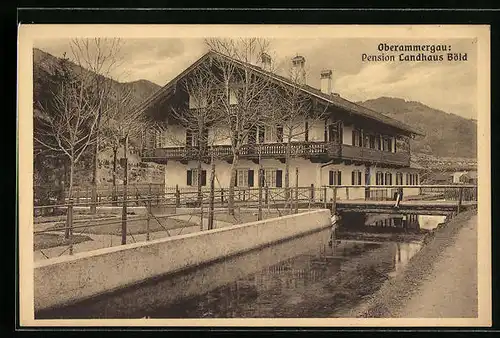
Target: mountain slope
x=446 y=135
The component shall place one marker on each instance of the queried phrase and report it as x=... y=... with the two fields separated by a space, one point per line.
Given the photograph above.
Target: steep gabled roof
x=334 y=100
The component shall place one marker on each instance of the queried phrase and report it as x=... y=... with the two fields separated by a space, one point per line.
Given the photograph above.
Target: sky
x=448 y=86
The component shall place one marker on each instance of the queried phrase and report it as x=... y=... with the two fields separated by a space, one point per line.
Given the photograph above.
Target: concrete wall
x=68 y=279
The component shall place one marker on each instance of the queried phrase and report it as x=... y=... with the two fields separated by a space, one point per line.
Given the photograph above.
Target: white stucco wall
x=309 y=173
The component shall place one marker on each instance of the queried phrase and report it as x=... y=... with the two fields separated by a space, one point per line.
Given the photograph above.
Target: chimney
x=299 y=72
x=266 y=61
x=326 y=81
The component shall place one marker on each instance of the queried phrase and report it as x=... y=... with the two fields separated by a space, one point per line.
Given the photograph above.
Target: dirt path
x=451 y=289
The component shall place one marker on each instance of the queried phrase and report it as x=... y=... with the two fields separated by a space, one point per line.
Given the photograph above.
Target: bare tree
x=197 y=117
x=99 y=57
x=242 y=94
x=67 y=122
x=294 y=113
x=123 y=122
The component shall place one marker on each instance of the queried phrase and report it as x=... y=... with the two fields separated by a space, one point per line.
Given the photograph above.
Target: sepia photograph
x=242 y=175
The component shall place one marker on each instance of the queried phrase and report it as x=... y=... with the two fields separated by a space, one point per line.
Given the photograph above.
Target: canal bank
x=440 y=281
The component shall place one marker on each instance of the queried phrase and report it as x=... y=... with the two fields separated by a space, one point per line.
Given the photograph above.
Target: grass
x=46 y=241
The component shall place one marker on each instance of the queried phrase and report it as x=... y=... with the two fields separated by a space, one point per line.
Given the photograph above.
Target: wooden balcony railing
x=328 y=150
x=374 y=156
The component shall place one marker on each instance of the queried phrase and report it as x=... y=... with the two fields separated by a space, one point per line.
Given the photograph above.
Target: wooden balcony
x=367 y=155
x=315 y=151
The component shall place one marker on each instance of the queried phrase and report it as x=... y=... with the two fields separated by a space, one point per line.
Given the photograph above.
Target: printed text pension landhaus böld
x=413 y=52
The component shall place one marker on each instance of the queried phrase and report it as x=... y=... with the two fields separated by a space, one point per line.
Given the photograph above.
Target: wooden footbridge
x=425 y=200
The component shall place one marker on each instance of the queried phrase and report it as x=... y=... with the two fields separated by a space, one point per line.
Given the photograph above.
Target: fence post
x=334 y=200
x=266 y=196
x=148 y=220
x=296 y=190
x=460 y=196
x=69 y=219
x=177 y=196
x=324 y=197
x=346 y=193
x=261 y=181
x=222 y=197
x=77 y=193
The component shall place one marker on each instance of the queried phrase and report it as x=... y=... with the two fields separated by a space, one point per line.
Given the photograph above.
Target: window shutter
x=279 y=178
x=353 y=137
x=359 y=177
x=250 y=178
x=339 y=177
x=236 y=178
x=353 y=173
x=203 y=177
x=189 y=177
x=330 y=178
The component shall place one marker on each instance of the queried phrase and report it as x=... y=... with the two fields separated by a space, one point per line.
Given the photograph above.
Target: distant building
x=465 y=177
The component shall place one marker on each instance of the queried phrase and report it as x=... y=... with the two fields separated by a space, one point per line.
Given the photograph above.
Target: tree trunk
x=125 y=182
x=212 y=196
x=200 y=195
x=287 y=174
x=70 y=194
x=96 y=163
x=115 y=159
x=94 y=177
x=232 y=183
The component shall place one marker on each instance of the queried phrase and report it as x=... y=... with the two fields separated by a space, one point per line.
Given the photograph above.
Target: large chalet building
x=350 y=146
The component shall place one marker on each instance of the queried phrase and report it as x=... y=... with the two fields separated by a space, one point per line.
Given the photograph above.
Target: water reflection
x=302 y=277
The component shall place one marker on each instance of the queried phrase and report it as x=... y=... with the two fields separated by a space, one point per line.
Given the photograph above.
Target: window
x=244 y=178
x=388 y=179
x=357 y=139
x=232 y=97
x=372 y=141
x=279 y=134
x=366 y=141
x=399 y=178
x=260 y=134
x=335 y=177
x=412 y=179
x=273 y=178
x=379 y=178
x=270 y=134
x=356 y=177
x=192 y=177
